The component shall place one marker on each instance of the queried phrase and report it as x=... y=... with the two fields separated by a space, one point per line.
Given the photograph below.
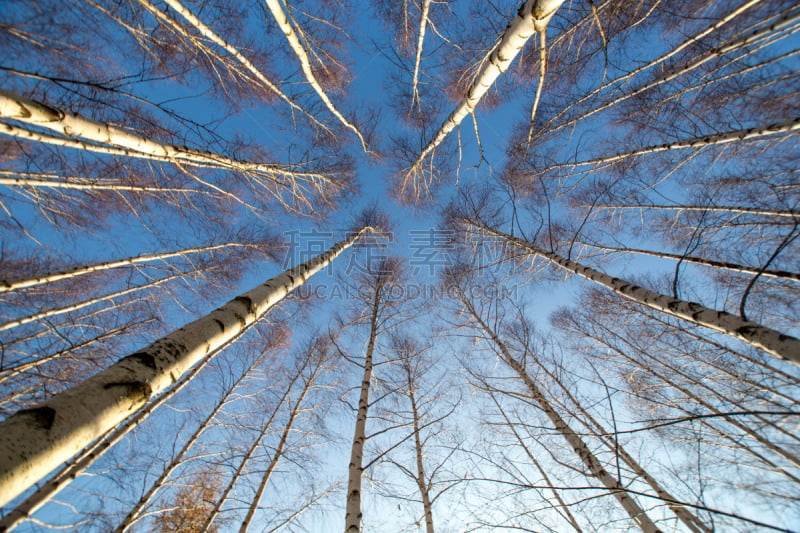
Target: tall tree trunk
x=767 y=339
x=13 y=285
x=352 y=519
x=276 y=456
x=591 y=462
x=115 y=140
x=34 y=441
x=209 y=34
x=91 y=453
x=688 y=67
x=422 y=483
x=285 y=25
x=86 y=303
x=532 y=17
x=11 y=371
x=564 y=508
x=265 y=427
x=695 y=142
x=735 y=267
x=689 y=519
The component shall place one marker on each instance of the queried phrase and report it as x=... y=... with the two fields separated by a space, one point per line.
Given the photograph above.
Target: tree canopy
x=289 y=265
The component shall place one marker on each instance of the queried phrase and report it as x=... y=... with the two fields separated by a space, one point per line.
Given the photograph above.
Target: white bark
x=532 y=17
x=687 y=68
x=689 y=519
x=705 y=208
x=80 y=305
x=696 y=142
x=6 y=286
x=90 y=454
x=276 y=456
x=423 y=25
x=282 y=20
x=118 y=141
x=209 y=34
x=422 y=482
x=11 y=371
x=356 y=468
x=773 y=342
x=735 y=267
x=133 y=514
x=35 y=441
x=53 y=181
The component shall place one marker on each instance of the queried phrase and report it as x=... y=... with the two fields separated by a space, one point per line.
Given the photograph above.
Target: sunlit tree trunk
x=687 y=517
x=562 y=507
x=34 y=441
x=767 y=339
x=688 y=67
x=285 y=25
x=287 y=429
x=726 y=265
x=118 y=141
x=533 y=17
x=86 y=303
x=696 y=142
x=6 y=285
x=422 y=483
x=356 y=469
x=254 y=446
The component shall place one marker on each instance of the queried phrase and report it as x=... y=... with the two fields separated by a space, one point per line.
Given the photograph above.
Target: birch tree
x=533 y=17
x=117 y=392
x=778 y=344
x=377 y=282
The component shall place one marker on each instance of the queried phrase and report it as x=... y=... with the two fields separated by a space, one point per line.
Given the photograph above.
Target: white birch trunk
x=556 y=494
x=86 y=303
x=209 y=34
x=704 y=208
x=90 y=454
x=6 y=286
x=594 y=467
x=423 y=25
x=35 y=441
x=356 y=468
x=532 y=17
x=53 y=181
x=734 y=267
x=773 y=342
x=278 y=453
x=688 y=518
x=282 y=20
x=717 y=52
x=111 y=139
x=254 y=446
x=422 y=483
x=696 y=142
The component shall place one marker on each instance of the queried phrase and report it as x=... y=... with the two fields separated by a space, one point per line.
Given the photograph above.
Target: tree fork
x=35 y=441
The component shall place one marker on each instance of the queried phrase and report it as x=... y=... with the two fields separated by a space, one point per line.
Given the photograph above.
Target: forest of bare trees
x=431 y=265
